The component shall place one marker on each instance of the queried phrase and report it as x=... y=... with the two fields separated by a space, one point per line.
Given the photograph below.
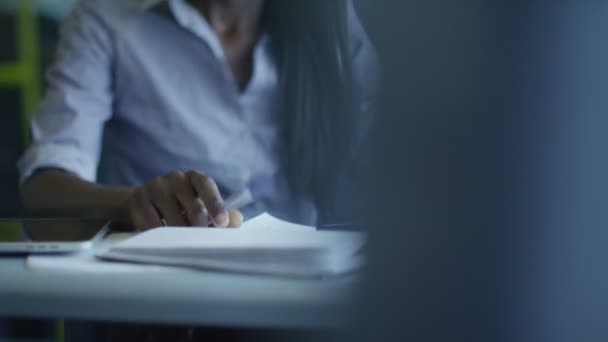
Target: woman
x=193 y=101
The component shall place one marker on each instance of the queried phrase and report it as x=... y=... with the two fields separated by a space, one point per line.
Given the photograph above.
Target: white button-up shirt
x=145 y=87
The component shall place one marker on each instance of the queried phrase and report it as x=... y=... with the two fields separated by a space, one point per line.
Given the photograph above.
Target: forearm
x=55 y=193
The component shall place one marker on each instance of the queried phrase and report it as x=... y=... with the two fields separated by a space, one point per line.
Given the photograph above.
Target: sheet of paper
x=263 y=245
x=267 y=221
x=205 y=239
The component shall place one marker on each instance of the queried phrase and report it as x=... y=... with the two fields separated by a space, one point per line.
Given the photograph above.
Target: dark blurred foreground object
x=26 y=330
x=12 y=131
x=111 y=332
x=487 y=180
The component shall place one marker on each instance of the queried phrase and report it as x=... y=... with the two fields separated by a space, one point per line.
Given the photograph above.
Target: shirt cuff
x=66 y=157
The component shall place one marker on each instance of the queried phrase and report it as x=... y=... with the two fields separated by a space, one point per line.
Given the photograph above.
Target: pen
x=245 y=197
x=239 y=200
x=236 y=201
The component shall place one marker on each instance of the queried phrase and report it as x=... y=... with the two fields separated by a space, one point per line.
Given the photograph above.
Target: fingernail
x=221 y=219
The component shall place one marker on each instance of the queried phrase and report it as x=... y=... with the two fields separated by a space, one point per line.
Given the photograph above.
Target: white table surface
x=176 y=296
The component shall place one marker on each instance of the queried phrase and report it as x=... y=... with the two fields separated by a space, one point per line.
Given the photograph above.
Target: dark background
x=11 y=139
x=12 y=145
x=11 y=128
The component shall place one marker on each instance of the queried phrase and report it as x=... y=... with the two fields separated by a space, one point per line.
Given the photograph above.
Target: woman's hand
x=179 y=199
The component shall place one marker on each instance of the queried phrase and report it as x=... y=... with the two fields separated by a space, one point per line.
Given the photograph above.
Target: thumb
x=236 y=218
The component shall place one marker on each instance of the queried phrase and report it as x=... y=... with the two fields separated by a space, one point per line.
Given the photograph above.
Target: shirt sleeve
x=67 y=128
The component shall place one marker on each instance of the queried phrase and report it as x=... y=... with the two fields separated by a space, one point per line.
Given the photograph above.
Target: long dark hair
x=311 y=42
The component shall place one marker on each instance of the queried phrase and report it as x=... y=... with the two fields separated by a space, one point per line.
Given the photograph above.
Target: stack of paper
x=265 y=246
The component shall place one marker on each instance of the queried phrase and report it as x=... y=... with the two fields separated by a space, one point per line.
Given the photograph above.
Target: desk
x=177 y=296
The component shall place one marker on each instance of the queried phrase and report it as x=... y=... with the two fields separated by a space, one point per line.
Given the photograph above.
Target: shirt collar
x=191 y=20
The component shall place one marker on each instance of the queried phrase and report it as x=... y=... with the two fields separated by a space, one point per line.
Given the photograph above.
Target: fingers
x=193 y=208
x=143 y=214
x=179 y=199
x=163 y=197
x=197 y=214
x=208 y=191
x=236 y=218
